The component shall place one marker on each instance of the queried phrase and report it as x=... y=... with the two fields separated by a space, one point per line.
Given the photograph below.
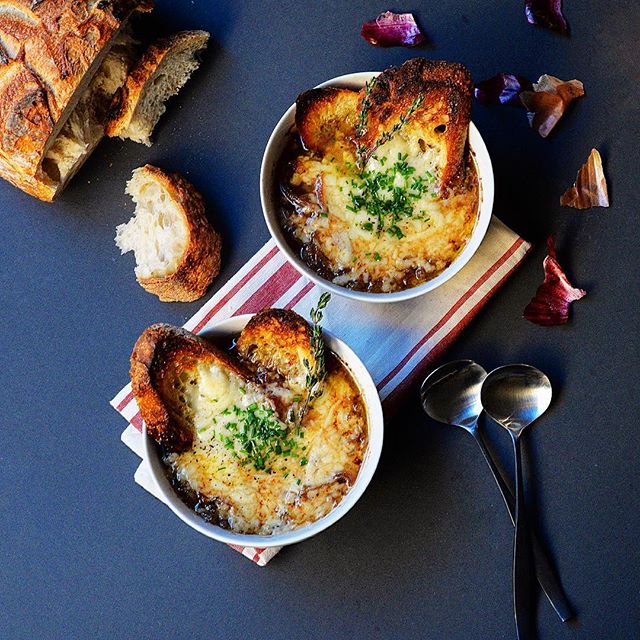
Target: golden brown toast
x=168 y=366
x=322 y=114
x=277 y=342
x=440 y=124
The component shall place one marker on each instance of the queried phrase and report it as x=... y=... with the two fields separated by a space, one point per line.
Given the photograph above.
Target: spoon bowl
x=515 y=395
x=451 y=393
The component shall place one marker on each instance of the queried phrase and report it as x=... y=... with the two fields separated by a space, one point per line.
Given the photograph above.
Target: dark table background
x=427 y=551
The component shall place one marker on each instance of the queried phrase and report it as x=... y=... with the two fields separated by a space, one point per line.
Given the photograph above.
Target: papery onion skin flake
x=503 y=88
x=590 y=188
x=550 y=305
x=549 y=100
x=547 y=14
x=391 y=29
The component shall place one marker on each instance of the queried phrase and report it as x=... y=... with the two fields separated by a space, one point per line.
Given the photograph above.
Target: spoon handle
x=544 y=569
x=522 y=559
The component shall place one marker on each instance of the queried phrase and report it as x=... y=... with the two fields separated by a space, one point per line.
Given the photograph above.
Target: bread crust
x=126 y=99
x=446 y=88
x=200 y=263
x=321 y=113
x=49 y=50
x=159 y=356
x=276 y=342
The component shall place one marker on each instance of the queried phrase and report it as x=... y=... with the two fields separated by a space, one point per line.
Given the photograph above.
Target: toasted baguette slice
x=161 y=72
x=180 y=380
x=177 y=251
x=435 y=134
x=321 y=114
x=276 y=342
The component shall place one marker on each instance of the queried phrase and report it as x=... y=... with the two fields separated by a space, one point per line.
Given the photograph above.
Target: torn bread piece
x=277 y=342
x=176 y=375
x=420 y=109
x=161 y=72
x=177 y=250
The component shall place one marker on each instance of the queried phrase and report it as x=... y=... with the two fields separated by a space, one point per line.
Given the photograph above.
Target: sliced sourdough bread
x=51 y=54
x=177 y=250
x=161 y=72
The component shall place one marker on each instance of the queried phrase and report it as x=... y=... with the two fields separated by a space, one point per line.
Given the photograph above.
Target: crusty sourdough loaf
x=167 y=360
x=176 y=249
x=161 y=72
x=277 y=342
x=49 y=52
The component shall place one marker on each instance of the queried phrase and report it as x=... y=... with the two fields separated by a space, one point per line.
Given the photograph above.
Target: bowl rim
x=232 y=326
x=271 y=156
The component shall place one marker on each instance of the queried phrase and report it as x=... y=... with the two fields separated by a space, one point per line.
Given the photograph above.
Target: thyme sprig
x=361 y=125
x=363 y=117
x=316 y=372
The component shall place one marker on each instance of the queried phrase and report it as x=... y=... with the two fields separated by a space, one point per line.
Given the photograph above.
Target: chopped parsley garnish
x=388 y=197
x=257 y=436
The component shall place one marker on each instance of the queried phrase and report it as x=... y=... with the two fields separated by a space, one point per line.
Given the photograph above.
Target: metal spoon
x=451 y=394
x=514 y=396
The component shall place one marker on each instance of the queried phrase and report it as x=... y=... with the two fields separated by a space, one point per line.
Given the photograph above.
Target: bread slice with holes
x=176 y=249
x=434 y=99
x=276 y=343
x=161 y=72
x=322 y=114
x=181 y=381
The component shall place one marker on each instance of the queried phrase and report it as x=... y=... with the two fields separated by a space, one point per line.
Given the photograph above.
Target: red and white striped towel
x=396 y=341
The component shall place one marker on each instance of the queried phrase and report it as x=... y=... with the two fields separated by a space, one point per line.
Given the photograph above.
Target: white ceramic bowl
x=272 y=154
x=230 y=328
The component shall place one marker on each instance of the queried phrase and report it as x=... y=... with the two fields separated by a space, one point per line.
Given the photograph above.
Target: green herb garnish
x=316 y=372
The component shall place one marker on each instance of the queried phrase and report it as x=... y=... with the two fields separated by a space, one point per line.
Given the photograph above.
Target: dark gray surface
x=426 y=553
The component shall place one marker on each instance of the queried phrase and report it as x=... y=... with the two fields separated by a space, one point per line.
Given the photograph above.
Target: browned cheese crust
x=160 y=355
x=442 y=118
x=127 y=97
x=200 y=263
x=47 y=48
x=322 y=113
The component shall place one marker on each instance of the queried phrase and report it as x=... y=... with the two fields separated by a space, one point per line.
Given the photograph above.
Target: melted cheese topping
x=334 y=237
x=294 y=489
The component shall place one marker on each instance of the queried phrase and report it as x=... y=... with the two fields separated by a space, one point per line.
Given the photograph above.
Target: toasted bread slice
x=179 y=379
x=434 y=136
x=177 y=251
x=276 y=343
x=323 y=114
x=161 y=72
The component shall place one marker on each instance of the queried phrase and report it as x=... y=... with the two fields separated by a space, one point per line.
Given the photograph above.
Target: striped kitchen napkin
x=396 y=342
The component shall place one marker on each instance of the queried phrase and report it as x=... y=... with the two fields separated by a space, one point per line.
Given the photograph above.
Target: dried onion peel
x=392 y=30
x=548 y=101
x=590 y=187
x=550 y=305
x=547 y=14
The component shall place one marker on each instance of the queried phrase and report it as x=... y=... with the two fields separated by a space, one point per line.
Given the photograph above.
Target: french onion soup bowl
x=313 y=451
x=331 y=229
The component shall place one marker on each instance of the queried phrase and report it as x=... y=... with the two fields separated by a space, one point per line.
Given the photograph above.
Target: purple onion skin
x=392 y=30
x=546 y=14
x=503 y=88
